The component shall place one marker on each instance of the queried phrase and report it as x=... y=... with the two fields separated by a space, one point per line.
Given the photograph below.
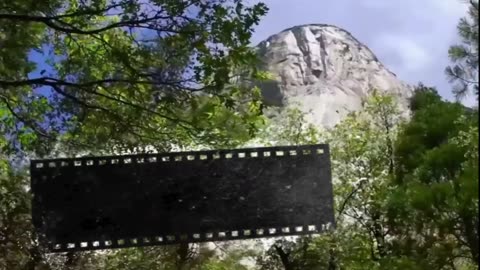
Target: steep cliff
x=325 y=71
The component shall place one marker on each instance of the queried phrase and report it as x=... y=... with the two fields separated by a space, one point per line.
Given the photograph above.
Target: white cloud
x=426 y=8
x=414 y=57
x=470 y=101
x=454 y=8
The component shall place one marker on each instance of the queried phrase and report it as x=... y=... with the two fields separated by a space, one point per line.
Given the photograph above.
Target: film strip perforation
x=243 y=234
x=181 y=156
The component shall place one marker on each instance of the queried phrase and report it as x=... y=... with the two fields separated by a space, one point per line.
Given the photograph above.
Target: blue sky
x=411 y=37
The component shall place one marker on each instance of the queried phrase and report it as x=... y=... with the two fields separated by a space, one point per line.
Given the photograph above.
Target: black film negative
x=156 y=199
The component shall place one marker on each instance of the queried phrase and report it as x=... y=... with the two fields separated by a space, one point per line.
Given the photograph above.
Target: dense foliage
x=406 y=189
x=126 y=73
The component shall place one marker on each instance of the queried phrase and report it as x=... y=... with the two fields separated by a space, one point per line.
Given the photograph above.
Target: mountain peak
x=325 y=70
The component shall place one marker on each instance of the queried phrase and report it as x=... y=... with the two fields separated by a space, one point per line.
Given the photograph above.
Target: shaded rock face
x=325 y=71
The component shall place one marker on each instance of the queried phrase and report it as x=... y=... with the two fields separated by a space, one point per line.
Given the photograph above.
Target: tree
x=406 y=190
x=232 y=259
x=15 y=225
x=464 y=56
x=434 y=206
x=287 y=126
x=362 y=163
x=92 y=77
x=124 y=72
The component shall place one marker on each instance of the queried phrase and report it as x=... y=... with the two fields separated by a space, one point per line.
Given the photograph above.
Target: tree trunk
x=471 y=235
x=182 y=253
x=284 y=257
x=34 y=260
x=332 y=262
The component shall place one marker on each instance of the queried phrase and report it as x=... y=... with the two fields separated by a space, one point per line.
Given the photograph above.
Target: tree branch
x=54 y=23
x=350 y=195
x=25 y=121
x=49 y=81
x=284 y=257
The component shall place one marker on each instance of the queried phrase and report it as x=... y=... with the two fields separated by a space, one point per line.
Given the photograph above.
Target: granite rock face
x=325 y=71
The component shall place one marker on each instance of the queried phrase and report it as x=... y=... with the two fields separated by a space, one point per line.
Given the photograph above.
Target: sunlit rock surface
x=325 y=70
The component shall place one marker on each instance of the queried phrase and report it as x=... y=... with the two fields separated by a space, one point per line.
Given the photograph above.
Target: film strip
x=264 y=152
x=191 y=238
x=93 y=203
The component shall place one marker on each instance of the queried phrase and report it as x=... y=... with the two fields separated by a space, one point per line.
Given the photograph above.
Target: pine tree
x=464 y=69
